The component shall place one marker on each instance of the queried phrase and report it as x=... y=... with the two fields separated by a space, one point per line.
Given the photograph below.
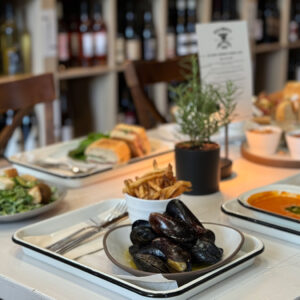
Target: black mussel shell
x=171 y=228
x=150 y=263
x=144 y=223
x=178 y=259
x=178 y=210
x=150 y=249
x=133 y=249
x=142 y=235
x=206 y=252
x=208 y=235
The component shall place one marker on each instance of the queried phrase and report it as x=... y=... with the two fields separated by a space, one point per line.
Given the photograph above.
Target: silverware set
x=77 y=238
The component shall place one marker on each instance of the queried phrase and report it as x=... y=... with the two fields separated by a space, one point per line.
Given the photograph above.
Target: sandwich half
x=134 y=136
x=108 y=151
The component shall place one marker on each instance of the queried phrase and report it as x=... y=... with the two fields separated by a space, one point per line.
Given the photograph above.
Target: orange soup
x=276 y=202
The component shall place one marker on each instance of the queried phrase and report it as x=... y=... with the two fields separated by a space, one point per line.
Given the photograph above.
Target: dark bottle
x=86 y=48
x=63 y=39
x=9 y=41
x=182 y=42
x=259 y=24
x=271 y=22
x=229 y=10
x=99 y=36
x=133 y=42
x=217 y=10
x=191 y=26
x=120 y=41
x=293 y=25
x=297 y=17
x=74 y=34
x=149 y=36
x=171 y=30
x=67 y=130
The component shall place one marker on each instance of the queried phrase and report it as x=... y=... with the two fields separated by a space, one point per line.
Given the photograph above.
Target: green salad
x=21 y=193
x=78 y=153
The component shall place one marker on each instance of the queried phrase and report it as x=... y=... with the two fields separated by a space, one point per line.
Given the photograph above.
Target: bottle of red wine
x=120 y=41
x=63 y=39
x=217 y=10
x=271 y=22
x=73 y=34
x=99 y=36
x=149 y=36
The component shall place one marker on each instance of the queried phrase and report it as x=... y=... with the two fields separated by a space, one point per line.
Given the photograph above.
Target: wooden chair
x=139 y=74
x=21 y=93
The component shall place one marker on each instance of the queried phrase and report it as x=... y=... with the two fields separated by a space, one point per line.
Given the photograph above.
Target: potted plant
x=201 y=110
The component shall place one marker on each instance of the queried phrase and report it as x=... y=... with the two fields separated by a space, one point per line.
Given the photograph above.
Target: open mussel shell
x=206 y=252
x=172 y=228
x=150 y=263
x=177 y=258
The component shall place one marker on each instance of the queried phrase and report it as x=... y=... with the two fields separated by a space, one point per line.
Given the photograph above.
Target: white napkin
x=91 y=254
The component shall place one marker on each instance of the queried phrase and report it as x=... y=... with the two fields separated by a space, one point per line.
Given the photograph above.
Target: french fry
x=157 y=184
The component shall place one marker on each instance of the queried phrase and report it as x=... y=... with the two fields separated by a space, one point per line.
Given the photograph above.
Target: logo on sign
x=223 y=40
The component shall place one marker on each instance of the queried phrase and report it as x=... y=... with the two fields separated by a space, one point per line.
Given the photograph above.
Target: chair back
x=139 y=74
x=21 y=94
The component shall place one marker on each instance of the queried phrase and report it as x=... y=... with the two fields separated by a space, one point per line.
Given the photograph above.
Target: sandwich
x=134 y=136
x=108 y=151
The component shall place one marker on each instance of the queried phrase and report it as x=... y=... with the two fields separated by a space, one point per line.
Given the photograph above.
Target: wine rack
x=95 y=88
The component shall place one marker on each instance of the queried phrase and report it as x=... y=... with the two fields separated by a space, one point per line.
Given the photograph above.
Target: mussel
x=177 y=259
x=178 y=210
x=206 y=252
x=152 y=250
x=171 y=228
x=142 y=233
x=150 y=263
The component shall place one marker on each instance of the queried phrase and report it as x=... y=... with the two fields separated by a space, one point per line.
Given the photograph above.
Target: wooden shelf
x=9 y=78
x=294 y=45
x=265 y=48
x=79 y=72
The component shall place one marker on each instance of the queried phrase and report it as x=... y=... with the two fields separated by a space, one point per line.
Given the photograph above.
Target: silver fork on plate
x=76 y=238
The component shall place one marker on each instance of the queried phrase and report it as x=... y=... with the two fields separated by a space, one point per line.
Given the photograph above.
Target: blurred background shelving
x=86 y=44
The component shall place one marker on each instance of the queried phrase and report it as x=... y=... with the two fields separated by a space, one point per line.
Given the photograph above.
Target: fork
x=71 y=241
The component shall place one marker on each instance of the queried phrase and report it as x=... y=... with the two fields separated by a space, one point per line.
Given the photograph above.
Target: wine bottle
x=99 y=36
x=191 y=26
x=63 y=40
x=86 y=48
x=10 y=50
x=182 y=47
x=272 y=22
x=259 y=25
x=133 y=43
x=171 y=31
x=25 y=45
x=74 y=34
x=217 y=10
x=149 y=36
x=120 y=41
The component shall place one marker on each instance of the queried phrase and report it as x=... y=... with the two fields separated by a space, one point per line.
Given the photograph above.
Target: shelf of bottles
x=82 y=39
x=15 y=59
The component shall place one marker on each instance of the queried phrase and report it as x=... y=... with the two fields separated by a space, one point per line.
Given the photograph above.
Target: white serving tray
x=24 y=163
x=271 y=217
x=250 y=249
x=266 y=224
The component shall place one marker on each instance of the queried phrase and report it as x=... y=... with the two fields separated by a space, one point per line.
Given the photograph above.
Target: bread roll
x=108 y=151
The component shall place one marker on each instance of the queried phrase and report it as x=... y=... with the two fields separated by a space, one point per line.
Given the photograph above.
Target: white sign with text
x=224 y=54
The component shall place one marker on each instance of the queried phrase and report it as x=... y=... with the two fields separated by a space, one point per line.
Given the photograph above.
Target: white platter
x=24 y=162
x=249 y=219
x=245 y=257
x=59 y=194
x=268 y=216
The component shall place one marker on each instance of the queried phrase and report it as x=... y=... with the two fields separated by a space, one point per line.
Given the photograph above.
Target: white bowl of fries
x=152 y=192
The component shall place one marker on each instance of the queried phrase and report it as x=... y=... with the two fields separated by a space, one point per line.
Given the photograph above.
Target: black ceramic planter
x=200 y=167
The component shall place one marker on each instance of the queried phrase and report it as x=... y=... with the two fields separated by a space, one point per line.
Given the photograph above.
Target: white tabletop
x=274 y=275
